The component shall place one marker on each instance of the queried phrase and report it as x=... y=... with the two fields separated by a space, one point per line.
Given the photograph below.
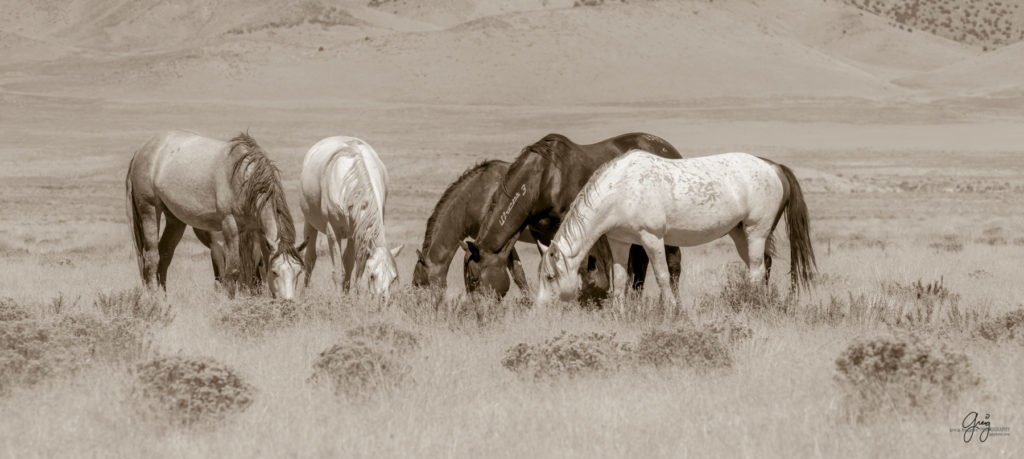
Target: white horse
x=640 y=198
x=344 y=190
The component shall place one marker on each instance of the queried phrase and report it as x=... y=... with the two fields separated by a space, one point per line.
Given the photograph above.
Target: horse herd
x=599 y=215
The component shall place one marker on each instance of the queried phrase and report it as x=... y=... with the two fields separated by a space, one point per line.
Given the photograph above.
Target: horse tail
x=133 y=217
x=801 y=251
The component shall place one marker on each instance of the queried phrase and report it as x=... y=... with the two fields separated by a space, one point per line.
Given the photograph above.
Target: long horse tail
x=801 y=252
x=133 y=217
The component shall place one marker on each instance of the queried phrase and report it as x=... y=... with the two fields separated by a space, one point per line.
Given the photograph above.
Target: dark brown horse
x=536 y=193
x=457 y=216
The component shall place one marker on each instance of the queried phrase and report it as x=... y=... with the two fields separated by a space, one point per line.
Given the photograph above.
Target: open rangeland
x=915 y=192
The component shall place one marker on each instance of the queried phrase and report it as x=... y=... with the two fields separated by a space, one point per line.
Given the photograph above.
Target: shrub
x=729 y=330
x=255 y=316
x=683 y=347
x=12 y=311
x=903 y=373
x=388 y=334
x=136 y=304
x=739 y=294
x=189 y=390
x=33 y=350
x=567 y=355
x=1007 y=327
x=359 y=367
x=949 y=243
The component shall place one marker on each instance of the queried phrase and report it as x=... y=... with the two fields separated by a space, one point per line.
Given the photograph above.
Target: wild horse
x=211 y=185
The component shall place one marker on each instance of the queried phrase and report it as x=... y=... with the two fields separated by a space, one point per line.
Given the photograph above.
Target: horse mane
x=262 y=185
x=467 y=174
x=575 y=220
x=357 y=184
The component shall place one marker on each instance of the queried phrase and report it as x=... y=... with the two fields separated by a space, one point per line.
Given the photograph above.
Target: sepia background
x=904 y=122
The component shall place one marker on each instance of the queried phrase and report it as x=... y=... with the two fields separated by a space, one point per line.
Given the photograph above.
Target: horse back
x=188 y=174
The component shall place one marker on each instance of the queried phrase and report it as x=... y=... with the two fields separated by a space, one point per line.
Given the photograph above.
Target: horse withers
x=213 y=186
x=685 y=202
x=344 y=191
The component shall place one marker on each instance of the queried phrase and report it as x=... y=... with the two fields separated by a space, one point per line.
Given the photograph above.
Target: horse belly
x=188 y=190
x=694 y=223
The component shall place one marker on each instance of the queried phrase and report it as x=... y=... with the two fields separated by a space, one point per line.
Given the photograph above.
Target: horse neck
x=583 y=225
x=450 y=224
x=517 y=198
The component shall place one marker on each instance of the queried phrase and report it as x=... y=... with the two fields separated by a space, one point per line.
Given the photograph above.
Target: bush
x=904 y=373
x=189 y=390
x=136 y=304
x=567 y=355
x=388 y=334
x=11 y=311
x=255 y=316
x=683 y=347
x=359 y=367
x=33 y=350
x=739 y=294
x=1007 y=327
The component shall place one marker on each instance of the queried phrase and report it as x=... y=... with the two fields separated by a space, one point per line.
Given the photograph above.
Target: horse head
x=285 y=268
x=484 y=270
x=554 y=277
x=426 y=273
x=381 y=271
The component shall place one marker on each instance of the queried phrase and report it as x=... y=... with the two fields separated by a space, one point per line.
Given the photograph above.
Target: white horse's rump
x=640 y=198
x=344 y=190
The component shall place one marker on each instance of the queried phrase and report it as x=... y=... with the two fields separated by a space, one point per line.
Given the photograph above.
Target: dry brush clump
x=1007 y=327
x=10 y=310
x=739 y=294
x=386 y=333
x=901 y=374
x=35 y=349
x=568 y=355
x=135 y=304
x=186 y=391
x=686 y=347
x=256 y=316
x=359 y=368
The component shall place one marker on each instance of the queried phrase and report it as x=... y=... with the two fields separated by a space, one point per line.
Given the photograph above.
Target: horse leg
x=310 y=234
x=674 y=260
x=173 y=231
x=620 y=257
x=756 y=254
x=515 y=266
x=739 y=237
x=232 y=261
x=655 y=247
x=349 y=261
x=637 y=267
x=216 y=246
x=149 y=216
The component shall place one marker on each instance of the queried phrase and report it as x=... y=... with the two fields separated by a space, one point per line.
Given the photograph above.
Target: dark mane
x=428 y=237
x=262 y=185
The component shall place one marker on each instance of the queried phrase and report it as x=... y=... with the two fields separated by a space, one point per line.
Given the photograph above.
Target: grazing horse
x=213 y=186
x=344 y=190
x=456 y=216
x=641 y=198
x=536 y=192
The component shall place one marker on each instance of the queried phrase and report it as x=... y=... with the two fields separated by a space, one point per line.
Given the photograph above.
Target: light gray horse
x=211 y=185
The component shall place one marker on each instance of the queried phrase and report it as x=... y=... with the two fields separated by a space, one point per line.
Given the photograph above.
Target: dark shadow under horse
x=534 y=196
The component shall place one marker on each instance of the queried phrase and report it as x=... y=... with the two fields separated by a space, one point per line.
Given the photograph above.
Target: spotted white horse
x=344 y=190
x=640 y=198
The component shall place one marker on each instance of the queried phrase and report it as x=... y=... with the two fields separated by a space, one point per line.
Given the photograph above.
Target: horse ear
x=541 y=247
x=397 y=250
x=419 y=254
x=302 y=246
x=466 y=246
x=511 y=244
